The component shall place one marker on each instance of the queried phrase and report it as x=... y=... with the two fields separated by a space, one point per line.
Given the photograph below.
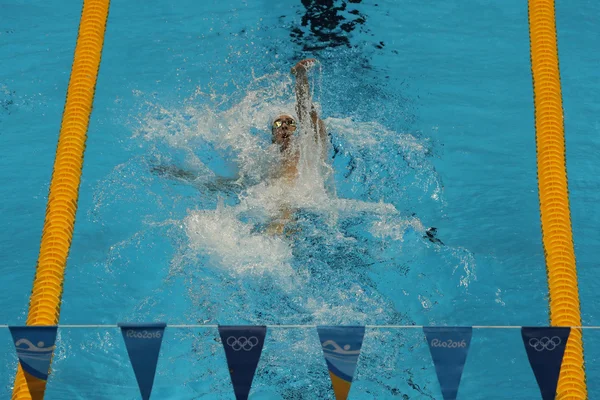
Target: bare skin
x=282 y=136
x=304 y=99
x=283 y=130
x=284 y=125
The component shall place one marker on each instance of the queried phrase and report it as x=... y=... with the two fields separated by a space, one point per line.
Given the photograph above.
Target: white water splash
x=232 y=244
x=369 y=134
x=234 y=130
x=395 y=229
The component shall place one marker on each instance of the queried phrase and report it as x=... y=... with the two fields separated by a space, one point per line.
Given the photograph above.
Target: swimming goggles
x=278 y=123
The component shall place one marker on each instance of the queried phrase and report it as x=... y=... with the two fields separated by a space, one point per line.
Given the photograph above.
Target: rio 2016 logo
x=143 y=334
x=448 y=344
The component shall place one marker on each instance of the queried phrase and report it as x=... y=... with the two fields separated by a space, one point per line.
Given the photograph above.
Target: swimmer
x=284 y=126
x=283 y=133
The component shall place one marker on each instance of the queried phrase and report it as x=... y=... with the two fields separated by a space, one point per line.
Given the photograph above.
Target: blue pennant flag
x=449 y=347
x=143 y=345
x=341 y=348
x=545 y=349
x=34 y=345
x=243 y=347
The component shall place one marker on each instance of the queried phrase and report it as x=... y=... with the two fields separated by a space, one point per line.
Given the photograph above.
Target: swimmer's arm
x=304 y=100
x=219 y=183
x=172 y=171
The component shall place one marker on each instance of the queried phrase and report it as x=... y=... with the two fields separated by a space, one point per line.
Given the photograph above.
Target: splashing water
x=225 y=141
x=351 y=251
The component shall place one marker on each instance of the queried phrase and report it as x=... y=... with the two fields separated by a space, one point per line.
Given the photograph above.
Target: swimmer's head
x=282 y=129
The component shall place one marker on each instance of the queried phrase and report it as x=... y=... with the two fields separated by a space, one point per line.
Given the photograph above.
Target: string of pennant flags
x=341 y=345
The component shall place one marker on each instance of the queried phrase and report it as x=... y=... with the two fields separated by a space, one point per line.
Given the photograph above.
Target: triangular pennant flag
x=449 y=347
x=35 y=345
x=545 y=350
x=341 y=347
x=143 y=346
x=243 y=347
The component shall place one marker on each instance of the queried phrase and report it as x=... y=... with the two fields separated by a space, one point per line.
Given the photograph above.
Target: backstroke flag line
x=545 y=350
x=143 y=346
x=341 y=345
x=449 y=347
x=243 y=346
x=34 y=345
x=341 y=348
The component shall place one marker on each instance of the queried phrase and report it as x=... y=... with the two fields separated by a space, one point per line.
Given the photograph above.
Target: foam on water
x=241 y=130
x=232 y=243
x=315 y=271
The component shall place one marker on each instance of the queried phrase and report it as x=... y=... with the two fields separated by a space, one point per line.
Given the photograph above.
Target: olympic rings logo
x=242 y=343
x=545 y=343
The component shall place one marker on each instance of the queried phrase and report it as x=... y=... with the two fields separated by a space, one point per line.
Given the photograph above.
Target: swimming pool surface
x=430 y=118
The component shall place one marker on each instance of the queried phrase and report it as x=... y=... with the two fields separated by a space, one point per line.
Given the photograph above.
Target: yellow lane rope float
x=554 y=201
x=44 y=304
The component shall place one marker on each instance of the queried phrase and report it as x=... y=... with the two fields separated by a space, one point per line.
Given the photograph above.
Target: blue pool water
x=430 y=116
